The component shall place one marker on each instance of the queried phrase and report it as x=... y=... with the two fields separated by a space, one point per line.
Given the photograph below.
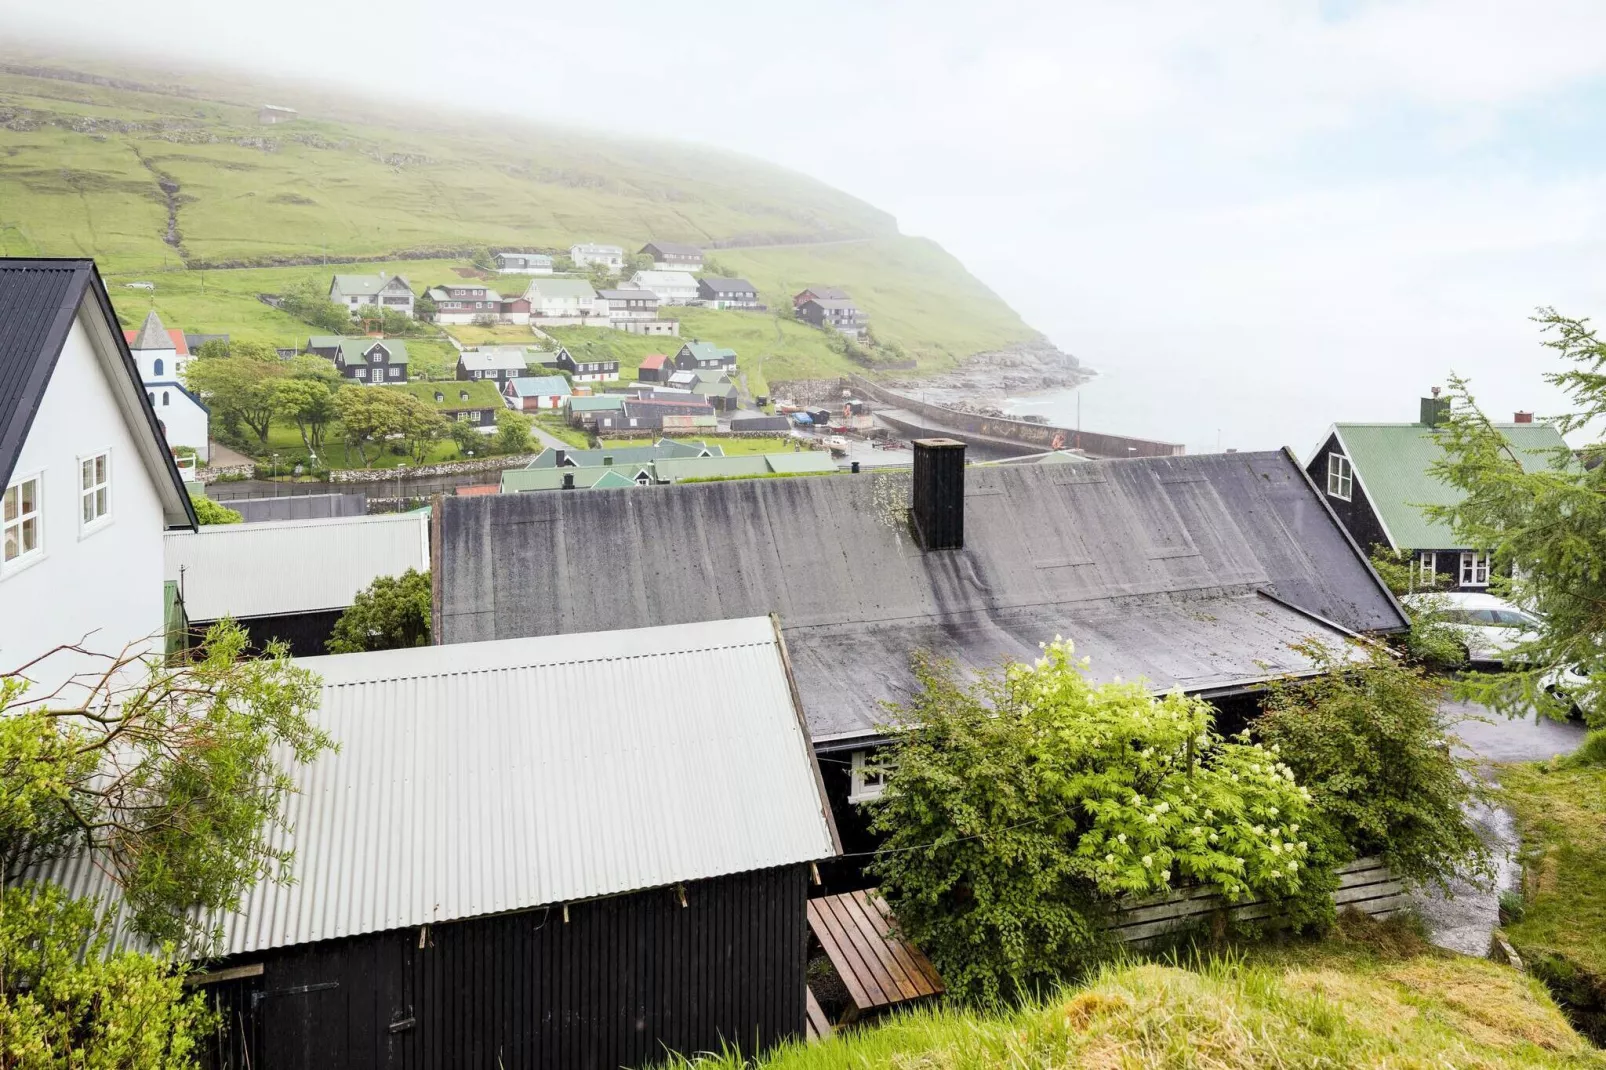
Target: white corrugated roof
x=298 y=566
x=487 y=777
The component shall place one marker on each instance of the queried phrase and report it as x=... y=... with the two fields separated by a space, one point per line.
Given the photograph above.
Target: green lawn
x=503 y=335
x=1380 y=999
x=742 y=447
x=554 y=426
x=1561 y=813
x=600 y=343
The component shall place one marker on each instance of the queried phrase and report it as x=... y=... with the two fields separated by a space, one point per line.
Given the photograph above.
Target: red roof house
x=655 y=368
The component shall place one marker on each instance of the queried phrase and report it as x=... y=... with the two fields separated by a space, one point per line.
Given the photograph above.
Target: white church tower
x=161 y=355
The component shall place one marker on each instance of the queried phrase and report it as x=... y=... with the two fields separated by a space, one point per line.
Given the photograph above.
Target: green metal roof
x=598 y=403
x=675 y=469
x=352 y=350
x=714 y=390
x=1393 y=464
x=707 y=350
x=521 y=480
x=622 y=455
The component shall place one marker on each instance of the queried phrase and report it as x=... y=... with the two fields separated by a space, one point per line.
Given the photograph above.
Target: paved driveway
x=1464 y=920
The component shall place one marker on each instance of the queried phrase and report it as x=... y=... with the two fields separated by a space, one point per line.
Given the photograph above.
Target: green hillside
x=168 y=178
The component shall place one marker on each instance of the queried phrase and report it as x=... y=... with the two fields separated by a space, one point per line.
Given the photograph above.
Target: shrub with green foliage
x=1367 y=739
x=1018 y=806
x=65 y=1003
x=391 y=612
x=1431 y=641
x=208 y=511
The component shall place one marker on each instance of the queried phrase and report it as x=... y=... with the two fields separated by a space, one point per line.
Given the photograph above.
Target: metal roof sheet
x=538 y=386
x=501 y=358
x=491 y=777
x=295 y=566
x=1394 y=462
x=1048 y=549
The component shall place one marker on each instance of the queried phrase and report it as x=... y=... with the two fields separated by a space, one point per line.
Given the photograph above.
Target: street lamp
x=275 y=475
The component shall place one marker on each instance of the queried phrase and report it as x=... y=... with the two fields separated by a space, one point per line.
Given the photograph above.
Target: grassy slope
x=1342 y=1003
x=79 y=169
x=1561 y=811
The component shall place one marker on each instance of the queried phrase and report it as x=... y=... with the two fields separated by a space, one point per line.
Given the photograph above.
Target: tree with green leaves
x=422 y=427
x=1018 y=806
x=238 y=384
x=1545 y=526
x=1365 y=735
x=368 y=417
x=208 y=511
x=513 y=432
x=171 y=779
x=469 y=438
x=309 y=404
x=310 y=302
x=390 y=613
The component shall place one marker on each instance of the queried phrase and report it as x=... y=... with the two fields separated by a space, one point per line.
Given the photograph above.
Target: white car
x=1489 y=627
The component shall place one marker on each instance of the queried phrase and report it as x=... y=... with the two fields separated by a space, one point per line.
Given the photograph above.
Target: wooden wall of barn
x=307 y=634
x=622 y=981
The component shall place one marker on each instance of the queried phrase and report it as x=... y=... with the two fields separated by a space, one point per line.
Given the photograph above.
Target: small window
x=165 y=398
x=1340 y=476
x=95 y=487
x=21 y=519
x=158 y=365
x=1427 y=564
x=150 y=396
x=474 y=417
x=1474 y=569
x=462 y=395
x=869 y=780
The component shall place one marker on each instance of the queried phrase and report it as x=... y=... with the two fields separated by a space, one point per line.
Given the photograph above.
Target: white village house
x=565 y=303
x=161 y=355
x=393 y=293
x=672 y=287
x=587 y=255
x=89 y=484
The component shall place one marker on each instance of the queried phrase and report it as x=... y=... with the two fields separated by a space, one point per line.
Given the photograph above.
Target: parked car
x=1568 y=684
x=1489 y=627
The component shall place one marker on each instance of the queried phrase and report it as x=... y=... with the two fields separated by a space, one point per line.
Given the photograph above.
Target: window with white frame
x=95 y=487
x=21 y=521
x=1427 y=566
x=1340 y=476
x=1474 y=569
x=869 y=780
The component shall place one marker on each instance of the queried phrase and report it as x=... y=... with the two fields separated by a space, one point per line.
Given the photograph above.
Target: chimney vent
x=562 y=458
x=938 y=507
x=1523 y=417
x=1435 y=410
x=568 y=481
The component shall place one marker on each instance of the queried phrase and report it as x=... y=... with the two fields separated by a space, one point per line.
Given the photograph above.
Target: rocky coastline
x=984 y=381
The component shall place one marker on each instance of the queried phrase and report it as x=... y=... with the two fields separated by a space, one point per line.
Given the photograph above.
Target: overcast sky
x=1254 y=218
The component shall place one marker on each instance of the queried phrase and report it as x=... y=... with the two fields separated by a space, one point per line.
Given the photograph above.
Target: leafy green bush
x=1366 y=737
x=1017 y=807
x=65 y=1003
x=208 y=511
x=1432 y=641
x=391 y=612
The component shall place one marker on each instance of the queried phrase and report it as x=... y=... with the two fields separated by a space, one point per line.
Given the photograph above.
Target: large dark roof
x=1194 y=572
x=38 y=302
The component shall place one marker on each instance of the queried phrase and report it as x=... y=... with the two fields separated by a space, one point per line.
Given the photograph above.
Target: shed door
x=304 y=1027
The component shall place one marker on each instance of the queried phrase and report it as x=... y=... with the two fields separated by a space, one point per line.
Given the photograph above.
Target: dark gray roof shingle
x=1152 y=566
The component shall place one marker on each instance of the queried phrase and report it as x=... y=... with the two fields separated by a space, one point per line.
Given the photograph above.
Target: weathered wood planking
x=819 y=1026
x=1365 y=885
x=878 y=968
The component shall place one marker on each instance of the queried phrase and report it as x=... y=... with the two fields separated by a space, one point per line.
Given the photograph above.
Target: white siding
x=103 y=586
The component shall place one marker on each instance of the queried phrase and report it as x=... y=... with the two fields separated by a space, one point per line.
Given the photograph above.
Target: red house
x=655 y=368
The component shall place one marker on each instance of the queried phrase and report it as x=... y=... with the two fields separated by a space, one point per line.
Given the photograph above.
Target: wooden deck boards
x=878 y=969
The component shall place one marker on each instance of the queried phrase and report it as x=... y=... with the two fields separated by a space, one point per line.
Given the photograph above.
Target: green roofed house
x=475 y=403
x=1377 y=477
x=623 y=455
x=594 y=477
x=604 y=411
x=392 y=293
x=362 y=359
x=697 y=354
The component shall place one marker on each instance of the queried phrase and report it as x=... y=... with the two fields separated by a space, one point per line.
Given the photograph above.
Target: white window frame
x=1427 y=569
x=866 y=784
x=1340 y=477
x=27 y=557
x=95 y=490
x=1474 y=568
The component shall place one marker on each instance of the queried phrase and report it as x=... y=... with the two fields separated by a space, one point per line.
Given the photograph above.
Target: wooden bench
x=879 y=969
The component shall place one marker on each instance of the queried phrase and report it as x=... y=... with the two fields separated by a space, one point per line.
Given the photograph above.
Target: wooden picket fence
x=1364 y=884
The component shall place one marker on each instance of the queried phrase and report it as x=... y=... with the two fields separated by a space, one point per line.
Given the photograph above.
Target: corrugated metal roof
x=534 y=386
x=1180 y=544
x=501 y=776
x=1395 y=463
x=295 y=566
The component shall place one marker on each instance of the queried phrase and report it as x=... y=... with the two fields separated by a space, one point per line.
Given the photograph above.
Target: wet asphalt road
x=1465 y=920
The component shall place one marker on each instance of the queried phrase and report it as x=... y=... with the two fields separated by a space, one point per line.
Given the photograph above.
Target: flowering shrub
x=1018 y=806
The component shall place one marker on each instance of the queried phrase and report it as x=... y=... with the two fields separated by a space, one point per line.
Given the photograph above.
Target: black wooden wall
x=1356 y=514
x=306 y=633
x=622 y=981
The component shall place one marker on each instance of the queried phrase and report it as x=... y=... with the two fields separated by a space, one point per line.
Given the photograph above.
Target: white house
x=393 y=293
x=586 y=255
x=564 y=303
x=524 y=263
x=161 y=355
x=672 y=287
x=89 y=484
